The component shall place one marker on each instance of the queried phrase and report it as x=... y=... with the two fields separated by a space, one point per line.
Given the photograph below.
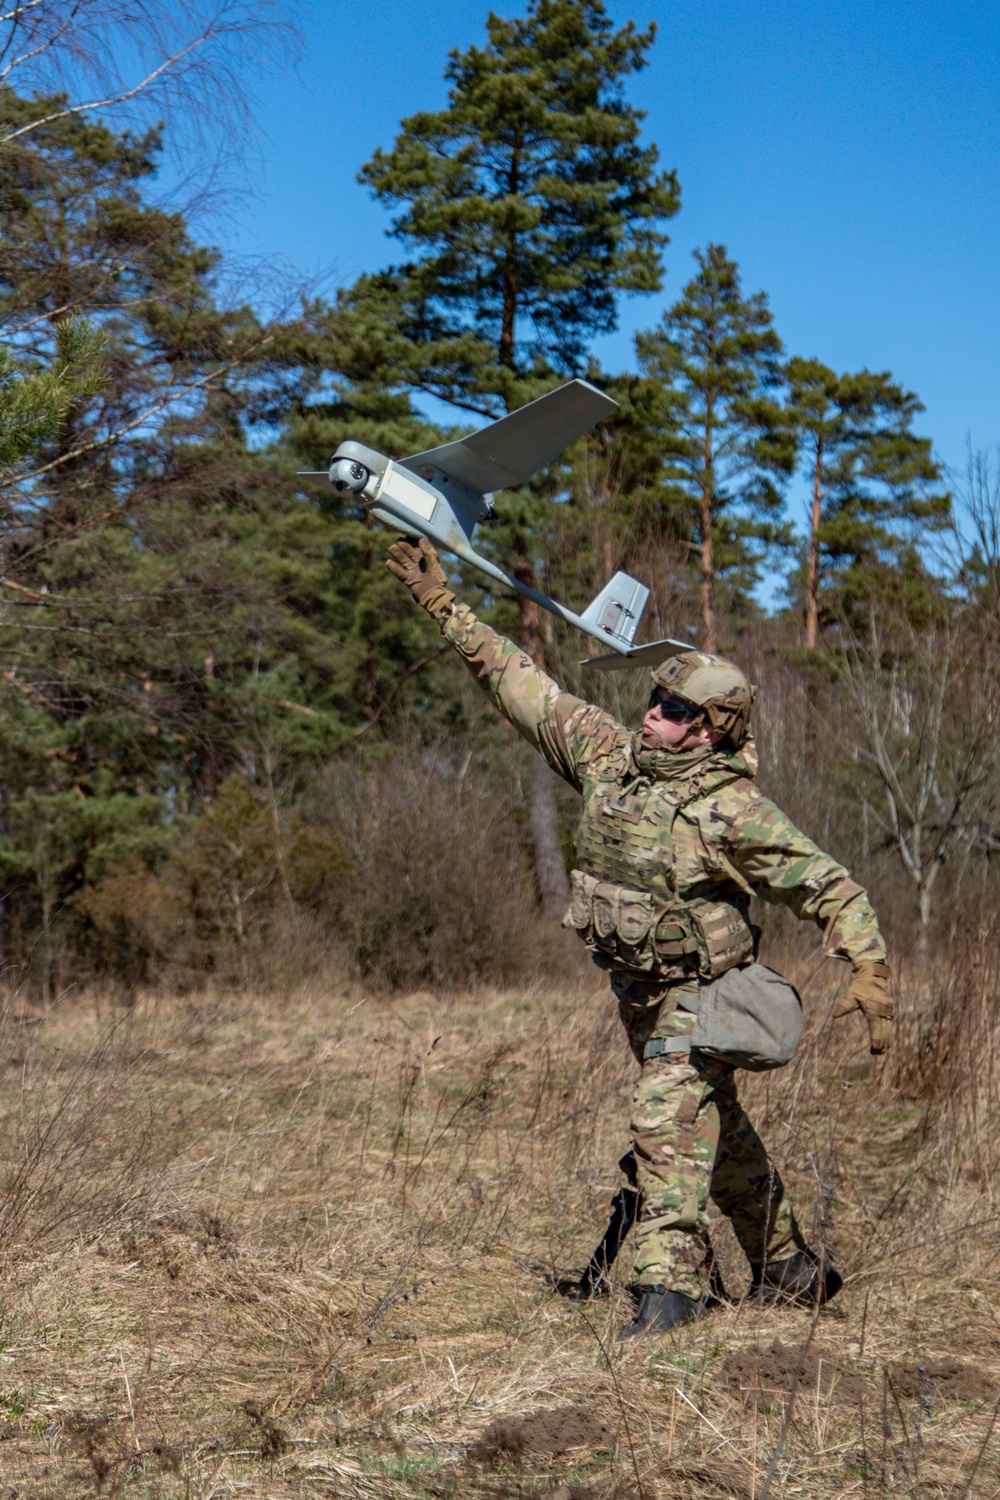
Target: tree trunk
x=3 y=910
x=46 y=941
x=236 y=902
x=923 y=935
x=371 y=645
x=812 y=565
x=543 y=811
x=707 y=581
x=707 y=558
x=278 y=832
x=508 y=317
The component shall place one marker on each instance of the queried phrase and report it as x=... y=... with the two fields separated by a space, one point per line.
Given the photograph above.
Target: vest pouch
x=606 y=908
x=635 y=918
x=580 y=912
x=750 y=1018
x=723 y=936
x=674 y=939
x=616 y=924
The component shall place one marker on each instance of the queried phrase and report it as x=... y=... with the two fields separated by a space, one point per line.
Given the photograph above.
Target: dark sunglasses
x=673 y=708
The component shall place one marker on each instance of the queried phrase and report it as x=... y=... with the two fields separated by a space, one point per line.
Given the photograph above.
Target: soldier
x=674 y=840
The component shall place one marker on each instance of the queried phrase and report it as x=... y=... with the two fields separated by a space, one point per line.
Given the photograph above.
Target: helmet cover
x=714 y=686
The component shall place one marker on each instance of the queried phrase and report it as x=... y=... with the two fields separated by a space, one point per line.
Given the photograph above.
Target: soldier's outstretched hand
x=416 y=564
x=869 y=993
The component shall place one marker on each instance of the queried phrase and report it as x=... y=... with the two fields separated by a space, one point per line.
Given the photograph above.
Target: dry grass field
x=306 y=1246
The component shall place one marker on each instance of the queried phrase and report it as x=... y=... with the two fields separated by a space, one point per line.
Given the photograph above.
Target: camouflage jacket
x=721 y=837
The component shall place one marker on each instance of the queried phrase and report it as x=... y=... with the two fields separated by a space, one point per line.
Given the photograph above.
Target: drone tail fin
x=618 y=608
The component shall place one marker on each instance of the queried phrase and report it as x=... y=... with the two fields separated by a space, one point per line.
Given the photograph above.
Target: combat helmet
x=711 y=684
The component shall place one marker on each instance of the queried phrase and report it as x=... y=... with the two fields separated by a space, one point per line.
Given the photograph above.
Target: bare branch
x=112 y=99
x=186 y=62
x=927 y=702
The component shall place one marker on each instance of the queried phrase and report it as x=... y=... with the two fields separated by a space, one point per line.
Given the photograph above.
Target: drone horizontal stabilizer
x=649 y=655
x=509 y=451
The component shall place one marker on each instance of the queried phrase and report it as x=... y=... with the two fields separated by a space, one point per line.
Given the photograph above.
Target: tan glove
x=417 y=565
x=869 y=993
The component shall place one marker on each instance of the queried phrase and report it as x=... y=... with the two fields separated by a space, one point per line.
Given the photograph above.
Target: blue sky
x=848 y=155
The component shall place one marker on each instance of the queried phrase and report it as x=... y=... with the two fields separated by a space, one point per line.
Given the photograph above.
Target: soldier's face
x=671 y=722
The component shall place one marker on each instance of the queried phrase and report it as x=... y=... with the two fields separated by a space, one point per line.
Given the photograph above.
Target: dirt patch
x=490 y=1487
x=101 y=1440
x=265 y=1435
x=543 y=1434
x=761 y=1374
x=942 y=1380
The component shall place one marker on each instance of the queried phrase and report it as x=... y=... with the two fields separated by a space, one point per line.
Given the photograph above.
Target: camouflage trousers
x=693 y=1141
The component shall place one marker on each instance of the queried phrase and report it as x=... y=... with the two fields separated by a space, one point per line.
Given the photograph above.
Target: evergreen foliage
x=331 y=390
x=528 y=204
x=35 y=401
x=718 y=358
x=873 y=487
x=166 y=595
x=527 y=207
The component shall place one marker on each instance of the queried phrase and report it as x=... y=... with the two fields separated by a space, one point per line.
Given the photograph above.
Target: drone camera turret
x=348 y=476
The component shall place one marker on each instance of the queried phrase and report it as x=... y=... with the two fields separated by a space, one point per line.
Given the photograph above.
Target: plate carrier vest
x=623 y=899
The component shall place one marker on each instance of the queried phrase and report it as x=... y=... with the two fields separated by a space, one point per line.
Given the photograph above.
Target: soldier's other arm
x=787 y=868
x=568 y=731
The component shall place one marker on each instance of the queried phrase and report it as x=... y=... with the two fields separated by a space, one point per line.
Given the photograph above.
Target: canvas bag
x=750 y=1018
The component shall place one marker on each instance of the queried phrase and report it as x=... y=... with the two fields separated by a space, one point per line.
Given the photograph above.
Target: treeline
x=231 y=747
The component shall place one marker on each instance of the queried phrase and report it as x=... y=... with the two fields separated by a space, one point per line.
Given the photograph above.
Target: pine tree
x=718 y=355
x=383 y=641
x=528 y=204
x=168 y=600
x=527 y=207
x=82 y=236
x=872 y=483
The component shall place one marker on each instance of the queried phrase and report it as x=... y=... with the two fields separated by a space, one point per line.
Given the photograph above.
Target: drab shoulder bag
x=750 y=1018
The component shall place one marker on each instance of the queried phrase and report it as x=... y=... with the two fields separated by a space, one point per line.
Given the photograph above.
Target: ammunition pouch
x=724 y=937
x=627 y=931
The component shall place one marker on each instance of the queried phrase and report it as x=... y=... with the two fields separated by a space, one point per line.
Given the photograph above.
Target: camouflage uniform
x=699 y=830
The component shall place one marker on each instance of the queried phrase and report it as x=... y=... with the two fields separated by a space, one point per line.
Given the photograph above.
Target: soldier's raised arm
x=568 y=731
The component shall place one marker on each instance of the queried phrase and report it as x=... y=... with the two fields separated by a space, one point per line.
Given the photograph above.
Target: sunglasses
x=673 y=708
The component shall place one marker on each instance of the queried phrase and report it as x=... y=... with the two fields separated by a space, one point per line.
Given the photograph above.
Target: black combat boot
x=800 y=1280
x=659 y=1311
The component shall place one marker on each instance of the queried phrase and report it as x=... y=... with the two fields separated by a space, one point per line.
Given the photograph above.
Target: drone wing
x=508 y=452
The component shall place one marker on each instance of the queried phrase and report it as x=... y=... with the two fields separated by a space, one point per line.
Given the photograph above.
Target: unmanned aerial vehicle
x=445 y=493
